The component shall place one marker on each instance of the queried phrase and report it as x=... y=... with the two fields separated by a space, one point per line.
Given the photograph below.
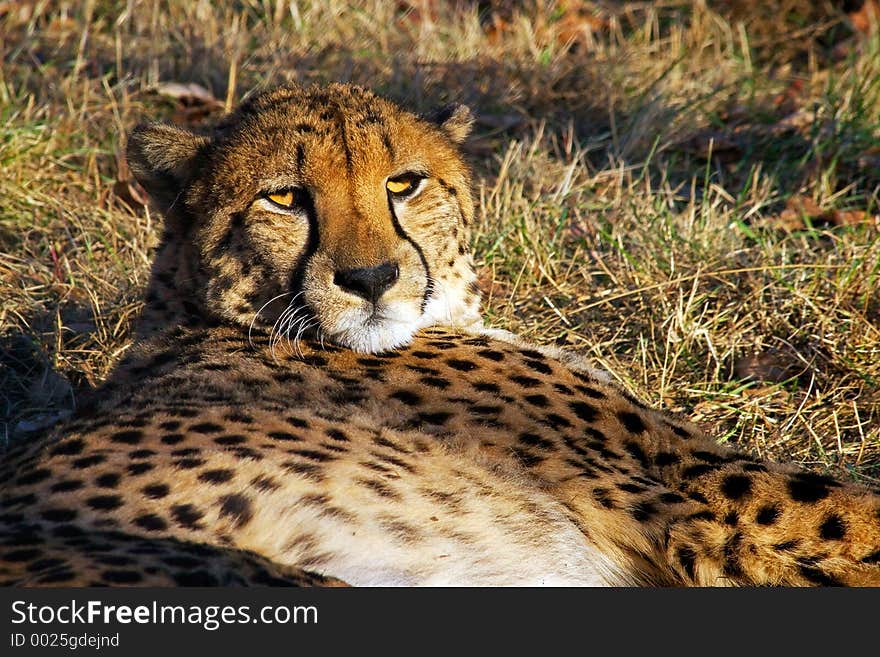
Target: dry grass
x=688 y=194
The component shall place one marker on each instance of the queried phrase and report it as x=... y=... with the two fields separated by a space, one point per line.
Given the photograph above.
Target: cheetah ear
x=162 y=157
x=455 y=120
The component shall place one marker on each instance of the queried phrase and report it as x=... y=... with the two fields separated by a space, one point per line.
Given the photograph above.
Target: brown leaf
x=577 y=24
x=188 y=93
x=793 y=122
x=60 y=27
x=194 y=102
x=866 y=18
x=125 y=187
x=798 y=211
x=415 y=12
x=130 y=192
x=852 y=217
x=805 y=205
x=787 y=102
x=789 y=221
x=759 y=392
x=194 y=115
x=495 y=27
x=768 y=366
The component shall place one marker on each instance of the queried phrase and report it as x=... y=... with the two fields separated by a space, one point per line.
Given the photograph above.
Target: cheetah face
x=329 y=212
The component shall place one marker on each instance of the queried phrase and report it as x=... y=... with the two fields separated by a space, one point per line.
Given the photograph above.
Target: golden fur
x=312 y=400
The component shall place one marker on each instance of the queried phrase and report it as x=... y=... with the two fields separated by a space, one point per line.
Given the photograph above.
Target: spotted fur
x=235 y=445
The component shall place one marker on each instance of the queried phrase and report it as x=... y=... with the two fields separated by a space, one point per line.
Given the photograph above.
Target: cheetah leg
x=761 y=523
x=776 y=526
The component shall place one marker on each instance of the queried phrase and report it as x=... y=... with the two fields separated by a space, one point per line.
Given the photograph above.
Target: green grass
x=638 y=188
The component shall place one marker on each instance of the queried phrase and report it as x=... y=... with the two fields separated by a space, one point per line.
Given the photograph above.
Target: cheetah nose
x=369 y=283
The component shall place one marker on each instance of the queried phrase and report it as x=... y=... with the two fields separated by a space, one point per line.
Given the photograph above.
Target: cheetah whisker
x=259 y=312
x=273 y=340
x=284 y=317
x=302 y=329
x=291 y=321
x=274 y=335
x=281 y=325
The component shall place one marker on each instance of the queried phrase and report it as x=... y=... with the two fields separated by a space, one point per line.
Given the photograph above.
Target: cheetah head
x=323 y=210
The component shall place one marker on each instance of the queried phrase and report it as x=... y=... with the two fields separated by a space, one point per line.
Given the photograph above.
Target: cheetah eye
x=284 y=199
x=404 y=185
x=287 y=199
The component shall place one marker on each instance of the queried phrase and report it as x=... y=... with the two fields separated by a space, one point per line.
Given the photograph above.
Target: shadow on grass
x=34 y=395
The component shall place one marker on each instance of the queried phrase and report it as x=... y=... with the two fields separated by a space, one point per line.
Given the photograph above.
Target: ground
x=684 y=192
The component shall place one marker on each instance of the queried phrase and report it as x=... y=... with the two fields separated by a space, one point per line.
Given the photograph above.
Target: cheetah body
x=311 y=400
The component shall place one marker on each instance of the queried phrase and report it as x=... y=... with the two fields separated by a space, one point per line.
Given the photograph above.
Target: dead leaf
x=495 y=27
x=415 y=12
x=578 y=24
x=130 y=192
x=569 y=22
x=769 y=366
x=758 y=392
x=787 y=102
x=866 y=18
x=60 y=26
x=194 y=102
x=800 y=209
x=792 y=122
x=805 y=205
x=852 y=217
x=188 y=93
x=125 y=187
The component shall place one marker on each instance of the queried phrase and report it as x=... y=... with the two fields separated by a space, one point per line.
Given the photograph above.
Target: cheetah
x=312 y=399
